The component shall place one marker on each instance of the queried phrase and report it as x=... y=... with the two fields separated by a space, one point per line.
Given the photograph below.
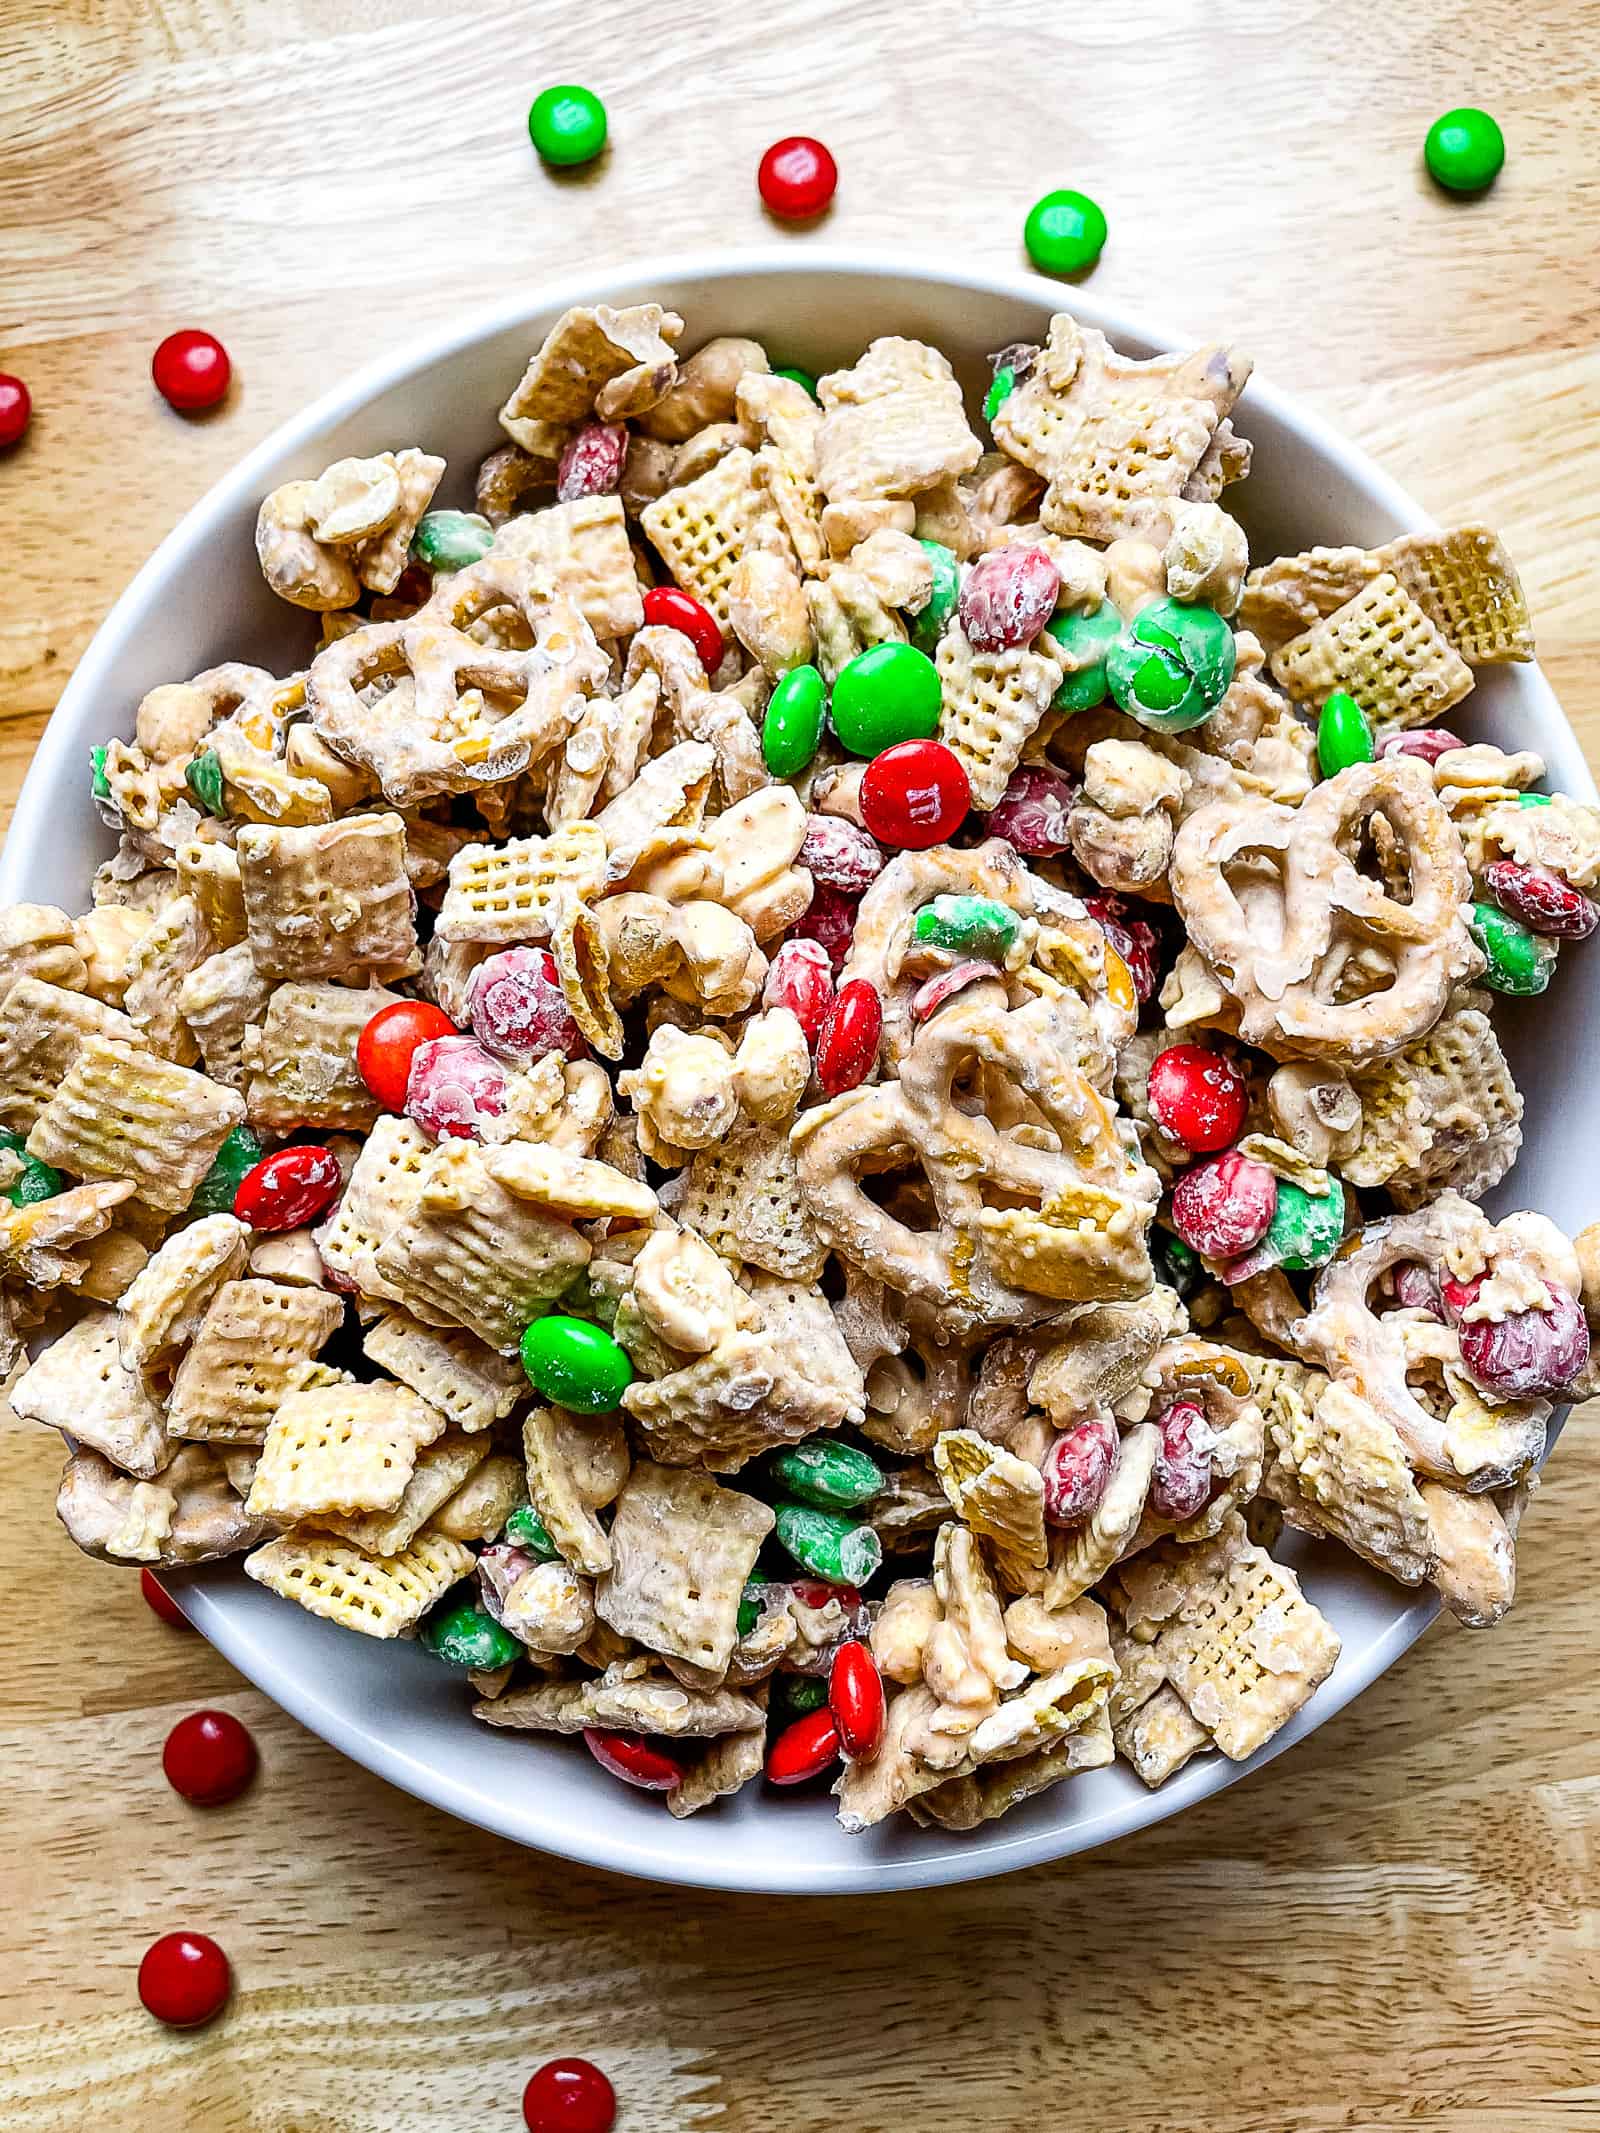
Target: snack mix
x=810 y=1078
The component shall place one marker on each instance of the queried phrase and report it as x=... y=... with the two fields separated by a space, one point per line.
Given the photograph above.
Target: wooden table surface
x=1394 y=1926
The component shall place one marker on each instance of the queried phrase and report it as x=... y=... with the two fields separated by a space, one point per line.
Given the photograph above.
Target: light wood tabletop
x=1396 y=1925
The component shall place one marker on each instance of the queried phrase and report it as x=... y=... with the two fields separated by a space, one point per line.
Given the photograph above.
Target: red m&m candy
x=184 y=1979
x=800 y=978
x=191 y=370
x=209 y=1758
x=830 y=922
x=856 y=1699
x=160 y=1601
x=1198 y=1097
x=797 y=178
x=16 y=408
x=665 y=607
x=805 y=1749
x=1221 y=1208
x=569 y=2096
x=633 y=1760
x=385 y=1046
x=519 y=1010
x=914 y=795
x=289 y=1189
x=848 y=1046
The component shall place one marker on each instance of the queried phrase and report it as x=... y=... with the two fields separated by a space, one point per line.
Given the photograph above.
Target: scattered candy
x=831 y=922
x=1135 y=941
x=219 y=1188
x=1520 y=962
x=1180 y=1487
x=469 y=1636
x=839 y=855
x=1032 y=811
x=567 y=125
x=792 y=726
x=1541 y=900
x=1172 y=667
x=833 y=1476
x=209 y=1758
x=633 y=1760
x=1527 y=1355
x=16 y=408
x=1533 y=799
x=915 y=795
x=847 y=1049
x=453 y=1086
x=800 y=978
x=184 y=1979
x=1465 y=150
x=943 y=986
x=1009 y=596
x=592 y=461
x=1343 y=735
x=804 y=1750
x=203 y=777
x=569 y=2096
x=385 y=1047
x=289 y=1190
x=1064 y=233
x=1197 y=1096
x=797 y=178
x=191 y=370
x=1223 y=1207
x=576 y=1364
x=1087 y=641
x=1077 y=1471
x=1001 y=386
x=160 y=1601
x=885 y=695
x=527 y=1531
x=450 y=540
x=974 y=926
x=518 y=1009
x=856 y=1699
x=828 y=1544
x=927 y=624
x=800 y=377
x=1430 y=742
x=665 y=607
x=1305 y=1232
x=99 y=784
x=35 y=1181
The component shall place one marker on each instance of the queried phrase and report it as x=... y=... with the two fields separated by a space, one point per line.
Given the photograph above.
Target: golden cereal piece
x=682 y=1548
x=377 y=1197
x=442 y=1469
x=249 y=1352
x=593 y=354
x=1382 y=649
x=329 y=902
x=507 y=894
x=701 y=527
x=893 y=424
x=81 y=1384
x=341 y=1448
x=378 y=1596
x=42 y=1027
x=123 y=1113
x=300 y=1058
x=447 y=1367
x=581 y=550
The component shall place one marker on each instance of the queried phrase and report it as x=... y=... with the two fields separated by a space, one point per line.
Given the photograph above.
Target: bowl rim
x=612 y=1846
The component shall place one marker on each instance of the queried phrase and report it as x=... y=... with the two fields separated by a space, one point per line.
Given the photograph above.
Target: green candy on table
x=1521 y=962
x=1465 y=150
x=525 y=1529
x=833 y=1477
x=791 y=729
x=1065 y=232
x=828 y=1544
x=800 y=377
x=576 y=1364
x=567 y=124
x=1002 y=386
x=468 y=1636
x=203 y=776
x=451 y=540
x=1172 y=666
x=1087 y=642
x=1343 y=736
x=927 y=624
x=36 y=1181
x=240 y=1152
x=973 y=926
x=885 y=695
x=1305 y=1228
x=99 y=784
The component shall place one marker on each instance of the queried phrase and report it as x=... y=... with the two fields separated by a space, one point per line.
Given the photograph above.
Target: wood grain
x=1395 y=1926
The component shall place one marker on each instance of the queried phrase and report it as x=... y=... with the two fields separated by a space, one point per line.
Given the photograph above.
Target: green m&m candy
x=792 y=727
x=218 y=1189
x=203 y=776
x=974 y=926
x=1343 y=736
x=451 y=540
x=1002 y=386
x=1534 y=799
x=887 y=694
x=834 y=1477
x=1086 y=641
x=1520 y=961
x=527 y=1530
x=1172 y=666
x=927 y=625
x=567 y=124
x=1464 y=150
x=99 y=784
x=468 y=1636
x=1064 y=233
x=1305 y=1228
x=829 y=1544
x=576 y=1364
x=800 y=377
x=796 y=1694
x=1175 y=1263
x=36 y=1181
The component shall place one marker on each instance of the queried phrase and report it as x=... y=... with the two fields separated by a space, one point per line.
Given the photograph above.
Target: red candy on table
x=160 y=1601
x=518 y=1009
x=847 y=1050
x=1077 y=1470
x=915 y=794
x=797 y=178
x=1527 y=1355
x=290 y=1189
x=16 y=408
x=1223 y=1207
x=837 y=854
x=385 y=1046
x=665 y=607
x=1430 y=742
x=591 y=461
x=1198 y=1097
x=1009 y=596
x=856 y=1699
x=453 y=1086
x=831 y=922
x=1542 y=900
x=191 y=370
x=184 y=1979
x=805 y=1749
x=800 y=978
x=569 y=2096
x=1032 y=812
x=632 y=1759
x=209 y=1758
x=1180 y=1487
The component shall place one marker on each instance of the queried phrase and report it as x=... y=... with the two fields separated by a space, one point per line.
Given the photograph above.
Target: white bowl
x=201 y=599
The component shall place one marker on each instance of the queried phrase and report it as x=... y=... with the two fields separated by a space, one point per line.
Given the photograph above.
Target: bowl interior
x=201 y=600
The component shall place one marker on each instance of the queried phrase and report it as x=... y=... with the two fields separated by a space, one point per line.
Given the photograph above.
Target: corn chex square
x=699 y=529
x=509 y=893
x=582 y=550
x=341 y=1448
x=330 y=901
x=80 y=1383
x=301 y=1058
x=42 y=1028
x=450 y=1368
x=742 y=1194
x=993 y=702
x=121 y=1112
x=441 y=1469
x=377 y=1196
x=219 y=999
x=1382 y=649
x=250 y=1350
x=380 y=1596
x=681 y=1547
